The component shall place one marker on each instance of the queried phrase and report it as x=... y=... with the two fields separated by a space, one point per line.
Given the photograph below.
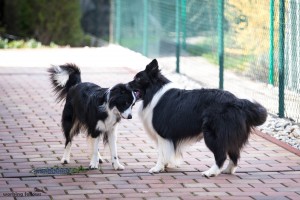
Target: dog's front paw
x=208 y=173
x=65 y=160
x=230 y=169
x=156 y=169
x=117 y=166
x=213 y=171
x=94 y=164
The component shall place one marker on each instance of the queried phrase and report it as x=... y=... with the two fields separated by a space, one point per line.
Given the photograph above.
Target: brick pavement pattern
x=31 y=137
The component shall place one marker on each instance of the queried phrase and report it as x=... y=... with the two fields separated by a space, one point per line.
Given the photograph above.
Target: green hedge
x=46 y=21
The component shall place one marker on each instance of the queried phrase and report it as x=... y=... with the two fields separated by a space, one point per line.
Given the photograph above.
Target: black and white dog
x=175 y=118
x=91 y=109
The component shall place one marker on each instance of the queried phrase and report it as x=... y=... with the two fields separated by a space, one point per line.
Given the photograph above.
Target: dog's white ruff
x=128 y=112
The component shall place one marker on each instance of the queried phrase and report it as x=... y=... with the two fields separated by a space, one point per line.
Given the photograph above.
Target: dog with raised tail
x=91 y=109
x=175 y=118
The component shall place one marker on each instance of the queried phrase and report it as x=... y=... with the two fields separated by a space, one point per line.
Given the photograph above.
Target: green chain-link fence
x=257 y=42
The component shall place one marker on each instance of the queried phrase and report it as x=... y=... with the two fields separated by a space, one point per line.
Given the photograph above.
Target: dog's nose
x=129 y=117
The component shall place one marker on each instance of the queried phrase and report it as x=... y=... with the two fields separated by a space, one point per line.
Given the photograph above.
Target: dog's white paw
x=118 y=166
x=172 y=165
x=209 y=173
x=213 y=171
x=94 y=164
x=156 y=169
x=229 y=170
x=226 y=171
x=65 y=160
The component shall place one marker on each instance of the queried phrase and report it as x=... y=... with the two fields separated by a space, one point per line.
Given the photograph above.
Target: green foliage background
x=47 y=21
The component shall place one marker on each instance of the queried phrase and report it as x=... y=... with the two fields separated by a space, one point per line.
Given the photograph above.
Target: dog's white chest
x=109 y=123
x=146 y=114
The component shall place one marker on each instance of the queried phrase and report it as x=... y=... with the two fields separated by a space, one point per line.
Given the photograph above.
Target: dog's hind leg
x=67 y=126
x=232 y=165
x=219 y=153
x=66 y=157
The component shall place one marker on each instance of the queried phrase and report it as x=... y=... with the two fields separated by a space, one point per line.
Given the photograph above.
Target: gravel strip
x=280 y=128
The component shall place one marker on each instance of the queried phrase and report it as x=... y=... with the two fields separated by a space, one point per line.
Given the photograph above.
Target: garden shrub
x=46 y=21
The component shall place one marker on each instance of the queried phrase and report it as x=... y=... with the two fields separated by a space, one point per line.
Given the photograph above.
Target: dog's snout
x=129 y=116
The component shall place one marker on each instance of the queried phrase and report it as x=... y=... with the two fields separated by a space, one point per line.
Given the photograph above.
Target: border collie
x=91 y=109
x=175 y=118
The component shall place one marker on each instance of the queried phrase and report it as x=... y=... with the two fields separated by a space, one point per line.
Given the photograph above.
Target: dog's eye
x=137 y=79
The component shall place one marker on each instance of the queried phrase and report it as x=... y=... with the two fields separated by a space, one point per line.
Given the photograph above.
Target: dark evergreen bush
x=47 y=21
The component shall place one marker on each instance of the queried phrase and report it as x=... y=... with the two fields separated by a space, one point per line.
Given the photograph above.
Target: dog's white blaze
x=128 y=112
x=134 y=99
x=61 y=76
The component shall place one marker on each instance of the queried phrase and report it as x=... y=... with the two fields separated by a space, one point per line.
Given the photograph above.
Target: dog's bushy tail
x=62 y=78
x=256 y=114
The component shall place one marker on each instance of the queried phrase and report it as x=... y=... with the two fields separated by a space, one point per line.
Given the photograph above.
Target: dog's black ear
x=152 y=67
x=123 y=90
x=119 y=89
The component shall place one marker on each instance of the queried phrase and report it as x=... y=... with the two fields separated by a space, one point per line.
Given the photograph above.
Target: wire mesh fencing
x=257 y=42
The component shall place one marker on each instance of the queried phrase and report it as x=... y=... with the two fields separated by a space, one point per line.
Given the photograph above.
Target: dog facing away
x=175 y=118
x=91 y=109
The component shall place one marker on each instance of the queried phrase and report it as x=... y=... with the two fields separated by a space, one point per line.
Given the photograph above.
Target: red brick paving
x=31 y=137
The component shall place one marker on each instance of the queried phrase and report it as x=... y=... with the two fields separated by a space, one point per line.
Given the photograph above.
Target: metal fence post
x=281 y=57
x=183 y=23
x=271 y=64
x=221 y=42
x=177 y=27
x=145 y=29
x=118 y=21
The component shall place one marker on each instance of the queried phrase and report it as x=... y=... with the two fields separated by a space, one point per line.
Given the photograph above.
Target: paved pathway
x=31 y=137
